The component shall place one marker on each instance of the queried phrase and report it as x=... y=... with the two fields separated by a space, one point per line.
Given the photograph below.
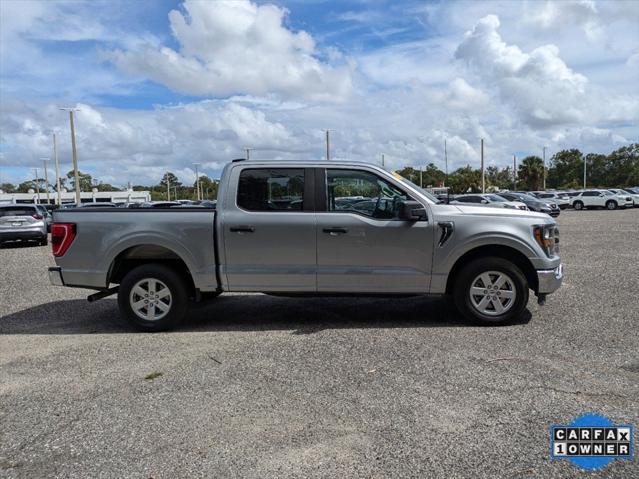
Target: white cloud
x=237 y=47
x=538 y=86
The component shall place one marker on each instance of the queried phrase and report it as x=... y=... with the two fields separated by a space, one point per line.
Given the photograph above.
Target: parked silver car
x=22 y=222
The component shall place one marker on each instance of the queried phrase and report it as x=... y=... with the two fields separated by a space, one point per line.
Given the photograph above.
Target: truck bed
x=106 y=236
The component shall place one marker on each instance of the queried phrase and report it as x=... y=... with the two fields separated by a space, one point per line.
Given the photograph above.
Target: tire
x=44 y=241
x=512 y=282
x=578 y=205
x=169 y=308
x=611 y=205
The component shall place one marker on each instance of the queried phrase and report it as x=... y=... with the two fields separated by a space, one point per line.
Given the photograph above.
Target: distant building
x=126 y=196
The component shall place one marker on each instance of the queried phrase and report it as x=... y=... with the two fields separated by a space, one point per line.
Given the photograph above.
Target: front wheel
x=153 y=297
x=611 y=205
x=578 y=205
x=491 y=291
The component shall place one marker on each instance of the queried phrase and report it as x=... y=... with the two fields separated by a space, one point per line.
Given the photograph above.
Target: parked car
x=487 y=259
x=562 y=201
x=89 y=204
x=48 y=217
x=22 y=222
x=489 y=199
x=600 y=199
x=622 y=193
x=533 y=204
x=160 y=204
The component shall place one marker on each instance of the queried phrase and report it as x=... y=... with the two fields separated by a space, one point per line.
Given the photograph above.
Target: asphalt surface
x=256 y=386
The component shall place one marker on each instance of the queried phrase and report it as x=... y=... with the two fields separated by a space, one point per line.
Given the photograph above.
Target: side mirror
x=412 y=211
x=484 y=202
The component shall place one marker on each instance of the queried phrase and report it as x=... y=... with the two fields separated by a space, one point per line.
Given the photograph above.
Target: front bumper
x=55 y=276
x=549 y=280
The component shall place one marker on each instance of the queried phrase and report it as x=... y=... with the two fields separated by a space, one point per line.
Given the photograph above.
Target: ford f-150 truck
x=308 y=228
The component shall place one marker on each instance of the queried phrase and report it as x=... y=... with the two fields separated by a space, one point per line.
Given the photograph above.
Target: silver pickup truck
x=308 y=228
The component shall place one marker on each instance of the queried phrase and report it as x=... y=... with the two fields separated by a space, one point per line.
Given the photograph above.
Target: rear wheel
x=578 y=205
x=491 y=291
x=611 y=205
x=153 y=297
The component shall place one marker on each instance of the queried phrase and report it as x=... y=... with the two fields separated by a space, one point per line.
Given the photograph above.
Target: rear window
x=271 y=189
x=17 y=211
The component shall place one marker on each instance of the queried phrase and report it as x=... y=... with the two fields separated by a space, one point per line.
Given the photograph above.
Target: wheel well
x=148 y=253
x=505 y=252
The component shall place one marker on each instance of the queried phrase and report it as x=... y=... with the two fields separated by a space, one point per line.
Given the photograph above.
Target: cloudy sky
x=164 y=84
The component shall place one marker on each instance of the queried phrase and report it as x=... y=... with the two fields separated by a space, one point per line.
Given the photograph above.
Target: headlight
x=547 y=236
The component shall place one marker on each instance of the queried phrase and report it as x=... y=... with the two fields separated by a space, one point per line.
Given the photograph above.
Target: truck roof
x=308 y=163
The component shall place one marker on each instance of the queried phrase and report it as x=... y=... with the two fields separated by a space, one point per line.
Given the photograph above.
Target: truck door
x=269 y=230
x=362 y=245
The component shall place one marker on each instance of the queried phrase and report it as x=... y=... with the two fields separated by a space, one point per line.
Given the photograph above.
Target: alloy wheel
x=492 y=293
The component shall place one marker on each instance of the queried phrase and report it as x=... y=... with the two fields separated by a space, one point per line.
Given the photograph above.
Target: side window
x=362 y=192
x=271 y=189
x=590 y=193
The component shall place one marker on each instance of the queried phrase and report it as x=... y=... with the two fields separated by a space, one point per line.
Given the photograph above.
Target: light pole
x=514 y=173
x=37 y=182
x=78 y=198
x=544 y=156
x=57 y=170
x=382 y=160
x=446 y=162
x=328 y=145
x=197 y=180
x=46 y=179
x=248 y=153
x=483 y=176
x=168 y=186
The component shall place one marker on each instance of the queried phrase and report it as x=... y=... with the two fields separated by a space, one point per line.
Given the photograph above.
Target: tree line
x=565 y=169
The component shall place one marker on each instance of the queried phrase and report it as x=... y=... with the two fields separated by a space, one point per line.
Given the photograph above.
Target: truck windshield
x=421 y=190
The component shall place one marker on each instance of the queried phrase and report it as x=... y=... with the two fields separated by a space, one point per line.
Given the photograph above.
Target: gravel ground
x=256 y=386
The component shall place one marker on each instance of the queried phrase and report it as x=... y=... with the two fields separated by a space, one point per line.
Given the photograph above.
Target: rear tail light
x=62 y=235
x=37 y=217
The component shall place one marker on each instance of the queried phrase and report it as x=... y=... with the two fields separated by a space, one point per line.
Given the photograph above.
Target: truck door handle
x=335 y=231
x=242 y=229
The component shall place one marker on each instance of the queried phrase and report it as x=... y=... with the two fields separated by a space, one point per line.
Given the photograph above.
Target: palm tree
x=530 y=173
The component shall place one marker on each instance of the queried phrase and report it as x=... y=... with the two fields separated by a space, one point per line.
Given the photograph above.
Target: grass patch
x=152 y=376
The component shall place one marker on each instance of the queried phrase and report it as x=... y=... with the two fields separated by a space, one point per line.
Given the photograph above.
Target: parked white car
x=600 y=198
x=495 y=201
x=633 y=196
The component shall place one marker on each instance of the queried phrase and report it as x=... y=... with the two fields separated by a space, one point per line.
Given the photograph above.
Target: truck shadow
x=246 y=313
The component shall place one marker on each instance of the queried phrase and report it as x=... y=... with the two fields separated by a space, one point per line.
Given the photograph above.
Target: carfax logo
x=592 y=441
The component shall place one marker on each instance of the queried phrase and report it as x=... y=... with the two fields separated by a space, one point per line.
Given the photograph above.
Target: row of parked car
x=32 y=222
x=552 y=202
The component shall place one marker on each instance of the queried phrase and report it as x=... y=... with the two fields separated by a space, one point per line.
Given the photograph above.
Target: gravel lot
x=257 y=386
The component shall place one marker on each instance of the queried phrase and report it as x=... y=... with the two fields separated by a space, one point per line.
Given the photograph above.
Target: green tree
x=107 y=187
x=464 y=180
x=530 y=173
x=86 y=181
x=499 y=178
x=209 y=187
x=8 y=187
x=25 y=186
x=623 y=166
x=565 y=169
